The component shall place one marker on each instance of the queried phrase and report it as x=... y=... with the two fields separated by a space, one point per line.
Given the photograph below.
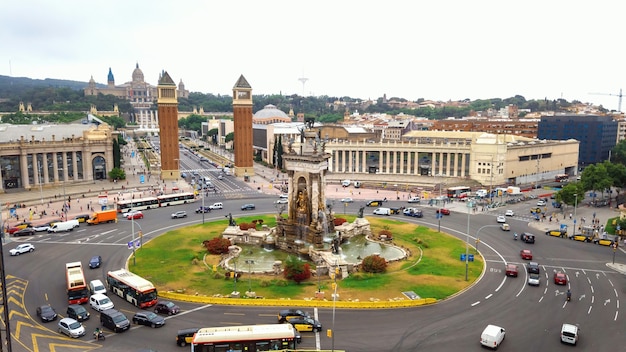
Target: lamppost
x=575 y=206
x=334 y=304
x=40 y=186
x=466 y=254
x=132 y=224
x=250 y=262
x=202 y=190
x=470 y=204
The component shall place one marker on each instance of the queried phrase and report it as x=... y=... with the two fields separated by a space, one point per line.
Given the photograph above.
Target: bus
x=176 y=198
x=458 y=192
x=77 y=290
x=137 y=204
x=251 y=338
x=133 y=288
x=561 y=178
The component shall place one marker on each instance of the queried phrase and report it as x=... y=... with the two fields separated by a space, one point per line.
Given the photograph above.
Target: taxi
x=555 y=233
x=603 y=241
x=305 y=324
x=581 y=238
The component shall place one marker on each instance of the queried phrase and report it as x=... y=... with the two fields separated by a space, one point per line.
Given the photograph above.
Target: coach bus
x=77 y=291
x=133 y=288
x=251 y=338
x=175 y=199
x=458 y=192
x=561 y=178
x=137 y=204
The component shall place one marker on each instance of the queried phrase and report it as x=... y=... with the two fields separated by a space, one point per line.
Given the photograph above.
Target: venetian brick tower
x=168 y=127
x=242 y=116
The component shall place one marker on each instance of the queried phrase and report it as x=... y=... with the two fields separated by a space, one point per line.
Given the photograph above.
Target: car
x=166 y=307
x=203 y=209
x=24 y=225
x=509 y=213
x=347 y=200
x=526 y=254
x=96 y=286
x=505 y=227
x=12 y=230
x=414 y=200
x=71 y=327
x=296 y=334
x=195 y=173
x=95 y=262
x=100 y=302
x=511 y=270
x=305 y=324
x=287 y=314
x=541 y=203
x=77 y=312
x=147 y=318
x=29 y=231
x=41 y=227
x=128 y=213
x=134 y=216
x=22 y=248
x=492 y=336
x=560 y=278
x=528 y=237
x=533 y=268
x=556 y=233
x=46 y=313
x=603 y=240
x=82 y=217
x=581 y=238
x=443 y=211
x=183 y=175
x=282 y=201
x=185 y=336
x=535 y=210
x=534 y=279
x=501 y=219
x=569 y=334
x=217 y=205
x=413 y=212
x=220 y=177
x=248 y=207
x=179 y=214
x=114 y=320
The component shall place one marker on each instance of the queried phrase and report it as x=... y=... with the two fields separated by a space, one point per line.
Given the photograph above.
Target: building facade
x=242 y=118
x=597 y=134
x=168 y=128
x=33 y=156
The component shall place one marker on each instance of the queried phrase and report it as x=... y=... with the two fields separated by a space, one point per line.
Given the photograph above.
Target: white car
x=41 y=228
x=282 y=201
x=347 y=200
x=501 y=219
x=534 y=279
x=22 y=248
x=129 y=213
x=71 y=327
x=179 y=214
x=100 y=302
x=541 y=203
x=509 y=213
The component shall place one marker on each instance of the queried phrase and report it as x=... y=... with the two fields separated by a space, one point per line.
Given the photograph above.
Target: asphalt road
x=531 y=315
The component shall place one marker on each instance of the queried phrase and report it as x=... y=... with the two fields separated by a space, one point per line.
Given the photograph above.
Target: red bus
x=561 y=178
x=133 y=288
x=262 y=337
x=77 y=291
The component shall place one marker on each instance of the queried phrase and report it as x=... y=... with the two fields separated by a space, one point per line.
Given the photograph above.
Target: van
x=382 y=211
x=569 y=334
x=217 y=205
x=414 y=200
x=345 y=183
x=96 y=286
x=69 y=225
x=114 y=320
x=100 y=302
x=492 y=336
x=357 y=184
x=185 y=336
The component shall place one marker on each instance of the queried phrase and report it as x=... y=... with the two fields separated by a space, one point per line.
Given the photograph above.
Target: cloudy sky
x=442 y=50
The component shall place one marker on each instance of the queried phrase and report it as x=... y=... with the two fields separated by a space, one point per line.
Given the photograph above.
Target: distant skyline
x=439 y=50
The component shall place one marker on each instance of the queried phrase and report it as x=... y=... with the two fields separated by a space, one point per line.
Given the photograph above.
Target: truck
x=102 y=216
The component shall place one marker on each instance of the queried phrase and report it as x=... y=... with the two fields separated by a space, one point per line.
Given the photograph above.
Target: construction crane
x=619 y=105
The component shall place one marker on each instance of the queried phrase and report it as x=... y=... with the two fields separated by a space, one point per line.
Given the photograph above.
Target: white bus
x=251 y=338
x=133 y=288
x=124 y=206
x=175 y=199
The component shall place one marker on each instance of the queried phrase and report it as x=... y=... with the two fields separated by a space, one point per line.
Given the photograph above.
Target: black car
x=46 y=313
x=533 y=268
x=203 y=209
x=95 y=262
x=248 y=207
x=305 y=324
x=77 y=312
x=287 y=314
x=528 y=238
x=29 y=231
x=147 y=318
x=166 y=307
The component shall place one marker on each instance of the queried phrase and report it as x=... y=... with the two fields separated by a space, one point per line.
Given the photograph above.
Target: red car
x=135 y=216
x=444 y=211
x=526 y=254
x=560 y=278
x=511 y=270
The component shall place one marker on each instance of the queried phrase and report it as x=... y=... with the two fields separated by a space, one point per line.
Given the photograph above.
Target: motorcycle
x=569 y=296
x=515 y=236
x=98 y=335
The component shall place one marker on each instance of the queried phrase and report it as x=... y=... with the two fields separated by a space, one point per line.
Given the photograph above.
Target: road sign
x=463 y=257
x=471 y=258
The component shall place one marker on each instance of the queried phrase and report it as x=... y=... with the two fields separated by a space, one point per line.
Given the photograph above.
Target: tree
x=217 y=245
x=618 y=153
x=374 y=264
x=229 y=137
x=571 y=194
x=296 y=270
x=117 y=174
x=117 y=154
x=596 y=177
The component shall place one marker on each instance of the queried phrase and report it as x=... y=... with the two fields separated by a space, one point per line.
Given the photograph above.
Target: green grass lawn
x=177 y=261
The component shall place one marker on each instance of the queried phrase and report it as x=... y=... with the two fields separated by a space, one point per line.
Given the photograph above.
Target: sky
x=430 y=49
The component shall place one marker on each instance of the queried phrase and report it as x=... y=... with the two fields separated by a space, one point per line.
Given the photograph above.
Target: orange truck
x=99 y=217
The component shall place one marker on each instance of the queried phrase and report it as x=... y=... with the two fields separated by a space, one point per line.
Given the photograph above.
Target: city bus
x=77 y=290
x=251 y=338
x=458 y=192
x=133 y=288
x=561 y=178
x=175 y=199
x=137 y=204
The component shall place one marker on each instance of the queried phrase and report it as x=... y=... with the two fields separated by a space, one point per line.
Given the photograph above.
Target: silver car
x=71 y=327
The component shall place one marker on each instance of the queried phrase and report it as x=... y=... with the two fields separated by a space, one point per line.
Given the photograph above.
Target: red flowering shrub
x=296 y=270
x=385 y=233
x=339 y=221
x=218 y=245
x=374 y=264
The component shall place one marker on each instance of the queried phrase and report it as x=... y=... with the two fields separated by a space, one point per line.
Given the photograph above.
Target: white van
x=492 y=336
x=217 y=205
x=96 y=286
x=382 y=211
x=345 y=183
x=64 y=226
x=100 y=302
x=569 y=334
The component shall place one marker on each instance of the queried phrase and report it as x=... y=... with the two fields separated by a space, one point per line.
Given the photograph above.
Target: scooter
x=569 y=296
x=515 y=236
x=99 y=335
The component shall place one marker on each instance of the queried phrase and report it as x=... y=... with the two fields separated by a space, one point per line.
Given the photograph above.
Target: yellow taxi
x=581 y=238
x=603 y=241
x=555 y=233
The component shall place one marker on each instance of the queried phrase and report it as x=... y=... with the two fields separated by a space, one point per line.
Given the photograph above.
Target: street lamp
x=334 y=304
x=470 y=204
x=466 y=254
x=250 y=262
x=132 y=224
x=40 y=186
x=575 y=206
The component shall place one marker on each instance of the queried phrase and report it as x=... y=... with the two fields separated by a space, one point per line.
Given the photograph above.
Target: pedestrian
x=570 y=216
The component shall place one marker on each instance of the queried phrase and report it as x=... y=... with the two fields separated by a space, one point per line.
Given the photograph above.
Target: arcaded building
x=47 y=155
